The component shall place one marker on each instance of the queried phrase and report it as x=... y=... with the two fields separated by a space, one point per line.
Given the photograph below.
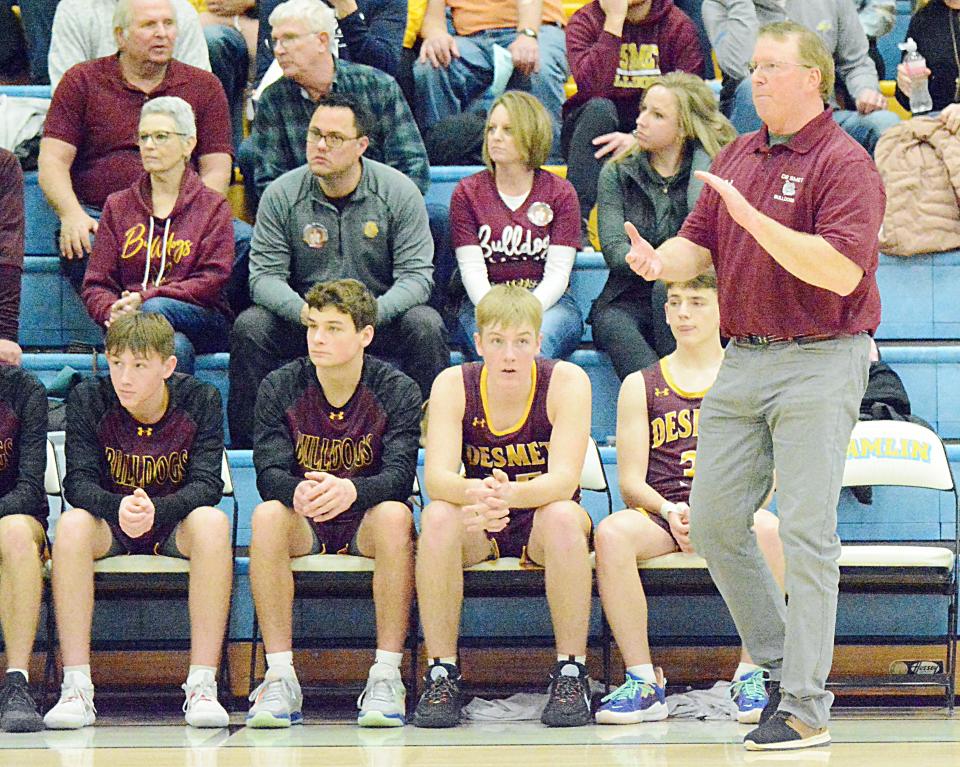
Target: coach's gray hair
x=318 y=16
x=123 y=14
x=175 y=108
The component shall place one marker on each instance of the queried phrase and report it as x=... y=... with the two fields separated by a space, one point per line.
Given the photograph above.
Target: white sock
x=26 y=674
x=743 y=669
x=77 y=676
x=281 y=663
x=199 y=674
x=393 y=659
x=644 y=671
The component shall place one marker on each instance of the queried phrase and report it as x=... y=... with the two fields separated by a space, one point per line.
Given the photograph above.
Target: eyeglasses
x=773 y=67
x=159 y=137
x=284 y=40
x=332 y=140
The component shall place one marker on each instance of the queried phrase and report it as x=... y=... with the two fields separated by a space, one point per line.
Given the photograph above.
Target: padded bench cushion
x=850 y=556
x=141 y=563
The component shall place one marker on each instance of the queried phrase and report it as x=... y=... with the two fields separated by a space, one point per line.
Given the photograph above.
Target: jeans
x=562 y=329
x=198 y=330
x=229 y=62
x=36 y=16
x=446 y=91
x=864 y=129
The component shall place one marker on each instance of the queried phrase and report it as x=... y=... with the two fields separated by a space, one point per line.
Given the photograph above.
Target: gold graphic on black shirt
x=6 y=450
x=332 y=455
x=479 y=423
x=336 y=416
x=518 y=454
x=131 y=470
x=144 y=431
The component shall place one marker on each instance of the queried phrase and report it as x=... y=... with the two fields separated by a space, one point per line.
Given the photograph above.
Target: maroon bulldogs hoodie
x=187 y=256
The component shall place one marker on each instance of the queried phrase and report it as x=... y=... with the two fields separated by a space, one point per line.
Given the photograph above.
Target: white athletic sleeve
x=473 y=272
x=556 y=274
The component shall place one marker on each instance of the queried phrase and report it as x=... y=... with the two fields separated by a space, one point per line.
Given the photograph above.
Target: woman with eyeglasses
x=679 y=130
x=165 y=245
x=518 y=223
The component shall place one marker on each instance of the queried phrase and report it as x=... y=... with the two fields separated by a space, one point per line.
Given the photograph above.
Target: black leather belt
x=767 y=340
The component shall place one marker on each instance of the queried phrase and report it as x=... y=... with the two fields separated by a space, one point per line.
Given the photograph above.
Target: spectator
x=454 y=72
x=144 y=456
x=230 y=30
x=84 y=30
x=935 y=28
x=519 y=224
x=657 y=413
x=368 y=32
x=12 y=224
x=321 y=500
x=89 y=148
x=518 y=425
x=165 y=245
x=877 y=17
x=341 y=215
x=303 y=34
x=678 y=131
x=839 y=28
x=617 y=49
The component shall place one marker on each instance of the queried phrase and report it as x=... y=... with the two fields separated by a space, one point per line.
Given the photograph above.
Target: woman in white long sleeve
x=517 y=223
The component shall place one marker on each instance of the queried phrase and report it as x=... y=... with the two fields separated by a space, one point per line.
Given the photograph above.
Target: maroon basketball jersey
x=674 y=416
x=346 y=442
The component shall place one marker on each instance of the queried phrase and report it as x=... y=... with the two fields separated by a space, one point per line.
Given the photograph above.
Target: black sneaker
x=18 y=712
x=783 y=732
x=441 y=701
x=773 y=701
x=569 y=696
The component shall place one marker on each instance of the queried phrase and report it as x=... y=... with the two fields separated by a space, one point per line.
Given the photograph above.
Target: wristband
x=667 y=508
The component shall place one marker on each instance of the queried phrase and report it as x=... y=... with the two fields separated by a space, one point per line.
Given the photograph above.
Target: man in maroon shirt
x=790 y=217
x=89 y=147
x=617 y=49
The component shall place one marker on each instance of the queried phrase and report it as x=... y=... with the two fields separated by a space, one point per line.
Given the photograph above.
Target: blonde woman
x=679 y=130
x=519 y=224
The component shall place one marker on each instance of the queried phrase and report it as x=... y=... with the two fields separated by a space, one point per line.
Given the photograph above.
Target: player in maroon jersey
x=519 y=424
x=657 y=418
x=144 y=451
x=335 y=448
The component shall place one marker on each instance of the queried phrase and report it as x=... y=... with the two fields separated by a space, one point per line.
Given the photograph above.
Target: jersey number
x=688 y=457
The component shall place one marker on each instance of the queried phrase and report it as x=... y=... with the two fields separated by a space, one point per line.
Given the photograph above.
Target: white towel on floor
x=713 y=704
x=520 y=707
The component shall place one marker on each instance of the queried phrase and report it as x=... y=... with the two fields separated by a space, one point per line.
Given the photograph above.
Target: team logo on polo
x=788 y=192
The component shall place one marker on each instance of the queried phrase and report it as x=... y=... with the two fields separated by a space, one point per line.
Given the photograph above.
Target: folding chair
x=157 y=577
x=903 y=454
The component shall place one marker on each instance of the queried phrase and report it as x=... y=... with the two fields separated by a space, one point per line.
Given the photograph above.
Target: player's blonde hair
x=509 y=306
x=142 y=334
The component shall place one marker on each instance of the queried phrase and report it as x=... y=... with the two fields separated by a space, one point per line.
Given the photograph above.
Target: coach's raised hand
x=642 y=257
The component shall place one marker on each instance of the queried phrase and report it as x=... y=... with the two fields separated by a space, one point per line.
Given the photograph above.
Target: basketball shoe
x=636 y=700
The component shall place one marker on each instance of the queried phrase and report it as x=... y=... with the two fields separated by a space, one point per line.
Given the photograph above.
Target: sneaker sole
x=823 y=739
x=264 y=720
x=656 y=713
x=209 y=724
x=435 y=725
x=749 y=717
x=379 y=719
x=77 y=725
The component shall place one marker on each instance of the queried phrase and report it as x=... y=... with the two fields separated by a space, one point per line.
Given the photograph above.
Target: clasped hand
x=490 y=510
x=321 y=496
x=136 y=513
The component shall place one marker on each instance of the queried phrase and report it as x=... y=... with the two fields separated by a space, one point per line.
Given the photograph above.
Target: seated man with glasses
x=304 y=41
x=340 y=215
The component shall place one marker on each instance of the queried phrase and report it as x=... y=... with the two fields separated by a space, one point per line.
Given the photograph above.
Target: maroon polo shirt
x=820 y=182
x=96 y=110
